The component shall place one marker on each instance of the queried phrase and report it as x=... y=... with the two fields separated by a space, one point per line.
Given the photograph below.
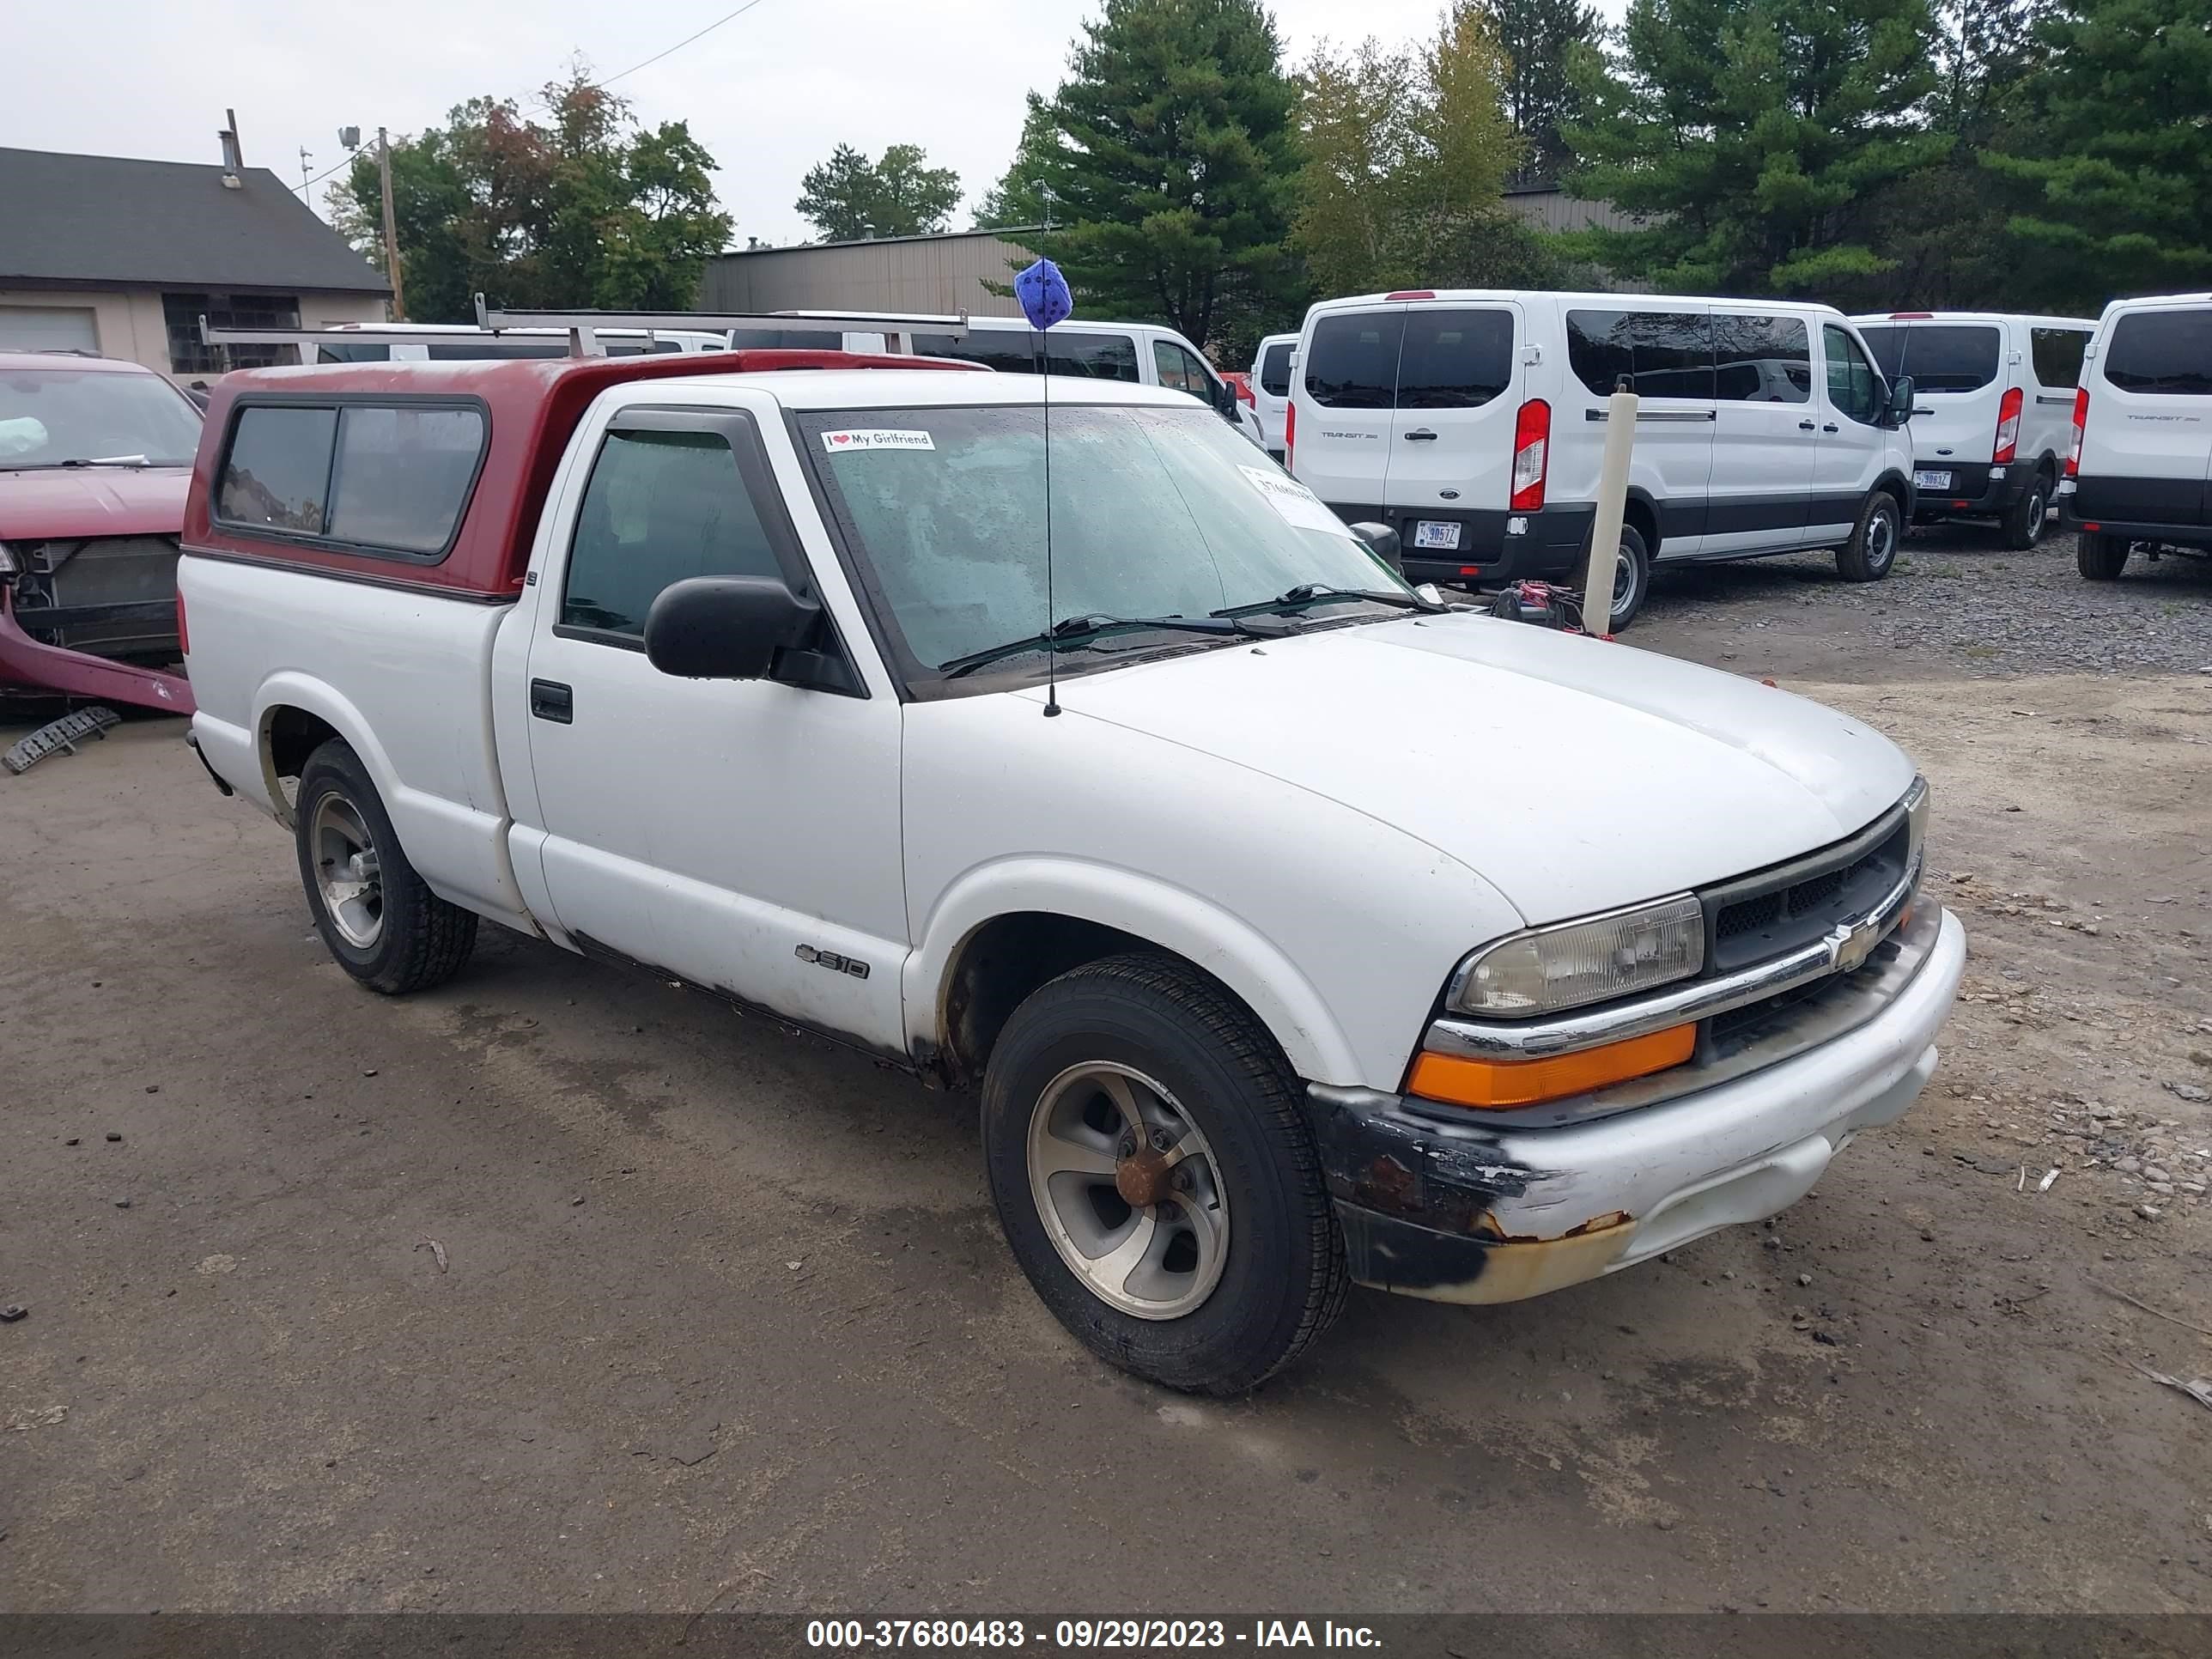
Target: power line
x=302 y=189
x=680 y=44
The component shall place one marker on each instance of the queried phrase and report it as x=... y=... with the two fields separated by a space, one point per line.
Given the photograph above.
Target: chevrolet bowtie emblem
x=1850 y=944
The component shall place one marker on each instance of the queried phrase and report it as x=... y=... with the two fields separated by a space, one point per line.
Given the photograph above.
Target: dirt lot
x=719 y=1316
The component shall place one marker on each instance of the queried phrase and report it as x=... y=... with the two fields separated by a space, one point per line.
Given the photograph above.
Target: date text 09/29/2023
x=1086 y=1633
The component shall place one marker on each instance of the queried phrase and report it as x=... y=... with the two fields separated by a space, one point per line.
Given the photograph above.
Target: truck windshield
x=1156 y=512
x=51 y=417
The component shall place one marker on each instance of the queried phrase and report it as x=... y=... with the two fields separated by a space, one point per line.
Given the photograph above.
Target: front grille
x=1775 y=911
x=113 y=596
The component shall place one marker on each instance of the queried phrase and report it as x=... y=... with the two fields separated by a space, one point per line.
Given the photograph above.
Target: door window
x=1353 y=363
x=1664 y=354
x=1762 y=360
x=660 y=508
x=2167 y=351
x=1075 y=353
x=1455 y=359
x=1854 y=389
x=1275 y=370
x=2058 y=352
x=1182 y=372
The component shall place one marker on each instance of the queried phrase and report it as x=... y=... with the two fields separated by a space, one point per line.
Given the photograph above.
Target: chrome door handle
x=1423 y=435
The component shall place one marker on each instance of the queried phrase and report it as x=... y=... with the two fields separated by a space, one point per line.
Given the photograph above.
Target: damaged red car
x=94 y=458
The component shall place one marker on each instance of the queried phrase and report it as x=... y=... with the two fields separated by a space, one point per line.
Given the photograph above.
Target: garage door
x=47 y=328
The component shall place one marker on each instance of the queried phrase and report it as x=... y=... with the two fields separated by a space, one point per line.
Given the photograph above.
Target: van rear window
x=1353 y=361
x=1275 y=370
x=372 y=477
x=1939 y=356
x=1455 y=359
x=2167 y=351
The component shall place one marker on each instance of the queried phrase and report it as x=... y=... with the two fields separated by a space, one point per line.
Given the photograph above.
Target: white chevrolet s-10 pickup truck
x=1298 y=930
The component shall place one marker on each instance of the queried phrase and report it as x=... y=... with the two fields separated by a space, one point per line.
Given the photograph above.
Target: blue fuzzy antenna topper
x=1043 y=293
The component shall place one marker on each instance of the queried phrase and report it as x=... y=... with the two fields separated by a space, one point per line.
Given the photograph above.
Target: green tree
x=1177 y=193
x=1538 y=36
x=1751 y=131
x=2115 y=152
x=1031 y=189
x=587 y=209
x=849 y=197
x=1940 y=227
x=1408 y=151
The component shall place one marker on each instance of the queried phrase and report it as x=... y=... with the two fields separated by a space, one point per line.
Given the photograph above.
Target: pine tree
x=1031 y=184
x=849 y=197
x=1177 y=189
x=2115 y=152
x=1751 y=131
x=1537 y=37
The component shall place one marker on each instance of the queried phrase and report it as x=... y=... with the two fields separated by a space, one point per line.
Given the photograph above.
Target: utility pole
x=391 y=230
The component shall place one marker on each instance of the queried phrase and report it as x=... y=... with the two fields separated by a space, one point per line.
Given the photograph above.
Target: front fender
x=1234 y=952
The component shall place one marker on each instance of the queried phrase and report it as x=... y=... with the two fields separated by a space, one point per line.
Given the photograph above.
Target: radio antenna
x=1045 y=301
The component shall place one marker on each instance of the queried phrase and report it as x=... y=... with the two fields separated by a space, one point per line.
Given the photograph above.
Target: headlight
x=1578 y=961
x=1916 y=816
x=7 y=561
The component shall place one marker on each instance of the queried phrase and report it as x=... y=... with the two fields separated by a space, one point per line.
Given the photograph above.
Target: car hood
x=1573 y=774
x=93 y=501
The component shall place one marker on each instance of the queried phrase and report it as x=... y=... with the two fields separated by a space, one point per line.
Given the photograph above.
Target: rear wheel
x=1153 y=1171
x=2024 y=521
x=1631 y=578
x=377 y=916
x=2101 y=558
x=1872 y=550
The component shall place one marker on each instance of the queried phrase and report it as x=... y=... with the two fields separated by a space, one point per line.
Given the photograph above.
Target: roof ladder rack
x=897 y=327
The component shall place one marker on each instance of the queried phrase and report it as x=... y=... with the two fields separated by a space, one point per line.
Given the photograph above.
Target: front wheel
x=1153 y=1169
x=1872 y=550
x=2101 y=558
x=377 y=916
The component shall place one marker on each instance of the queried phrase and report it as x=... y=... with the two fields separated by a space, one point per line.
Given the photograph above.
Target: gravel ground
x=1962 y=603
x=558 y=1288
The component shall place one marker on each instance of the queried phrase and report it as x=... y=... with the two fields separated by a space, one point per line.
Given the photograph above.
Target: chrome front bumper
x=1441 y=1204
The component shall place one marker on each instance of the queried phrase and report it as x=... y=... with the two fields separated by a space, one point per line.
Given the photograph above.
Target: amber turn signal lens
x=1491 y=1084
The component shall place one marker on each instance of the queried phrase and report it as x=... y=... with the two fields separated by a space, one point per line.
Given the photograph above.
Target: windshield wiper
x=1306 y=593
x=95 y=460
x=1077 y=632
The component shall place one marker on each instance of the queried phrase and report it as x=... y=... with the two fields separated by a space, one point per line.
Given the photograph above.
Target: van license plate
x=1435 y=532
x=1931 y=480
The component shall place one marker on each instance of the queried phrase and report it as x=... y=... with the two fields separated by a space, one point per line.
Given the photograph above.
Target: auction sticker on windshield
x=1299 y=506
x=876 y=437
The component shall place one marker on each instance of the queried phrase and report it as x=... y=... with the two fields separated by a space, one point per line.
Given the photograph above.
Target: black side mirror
x=727 y=627
x=1383 y=542
x=1900 y=402
x=1225 y=399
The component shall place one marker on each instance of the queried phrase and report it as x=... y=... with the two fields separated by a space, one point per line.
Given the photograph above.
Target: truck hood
x=50 y=503
x=1574 y=776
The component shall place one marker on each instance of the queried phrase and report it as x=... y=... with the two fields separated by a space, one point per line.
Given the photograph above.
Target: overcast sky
x=769 y=93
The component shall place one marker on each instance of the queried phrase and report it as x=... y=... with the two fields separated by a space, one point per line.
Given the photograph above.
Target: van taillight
x=1289 y=431
x=2080 y=422
x=183 y=639
x=2007 y=426
x=1532 y=448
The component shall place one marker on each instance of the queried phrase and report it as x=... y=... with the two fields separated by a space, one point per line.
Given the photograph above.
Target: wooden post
x=391 y=231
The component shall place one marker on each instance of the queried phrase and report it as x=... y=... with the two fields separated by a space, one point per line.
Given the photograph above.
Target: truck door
x=743 y=834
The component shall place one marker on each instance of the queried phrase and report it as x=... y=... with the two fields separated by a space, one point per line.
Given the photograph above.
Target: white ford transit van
x=1271 y=388
x=2140 y=470
x=1993 y=393
x=1137 y=354
x=1473 y=423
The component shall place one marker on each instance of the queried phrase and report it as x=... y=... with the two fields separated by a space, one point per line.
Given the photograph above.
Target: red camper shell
x=527 y=410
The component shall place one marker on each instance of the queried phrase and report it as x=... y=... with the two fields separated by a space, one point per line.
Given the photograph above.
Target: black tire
x=420 y=940
x=1872 y=550
x=1633 y=573
x=1284 y=1278
x=2024 y=521
x=2101 y=558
